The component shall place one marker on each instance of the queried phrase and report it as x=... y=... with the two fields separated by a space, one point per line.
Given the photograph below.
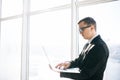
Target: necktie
x=84 y=48
x=83 y=51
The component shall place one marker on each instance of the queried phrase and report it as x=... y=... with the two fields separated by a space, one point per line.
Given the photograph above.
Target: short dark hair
x=88 y=21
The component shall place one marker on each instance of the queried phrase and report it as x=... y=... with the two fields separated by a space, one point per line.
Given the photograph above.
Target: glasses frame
x=83 y=28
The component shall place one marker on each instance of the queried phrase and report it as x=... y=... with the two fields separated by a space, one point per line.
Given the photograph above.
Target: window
x=10 y=55
x=46 y=4
x=11 y=8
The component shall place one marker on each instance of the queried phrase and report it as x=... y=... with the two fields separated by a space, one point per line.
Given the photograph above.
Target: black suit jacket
x=93 y=65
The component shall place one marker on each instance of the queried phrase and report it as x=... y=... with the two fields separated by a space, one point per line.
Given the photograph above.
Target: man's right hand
x=64 y=65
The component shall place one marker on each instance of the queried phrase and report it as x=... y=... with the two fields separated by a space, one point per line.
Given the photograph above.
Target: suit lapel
x=90 y=46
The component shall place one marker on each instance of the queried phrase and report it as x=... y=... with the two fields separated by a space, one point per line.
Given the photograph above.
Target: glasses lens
x=83 y=28
x=80 y=30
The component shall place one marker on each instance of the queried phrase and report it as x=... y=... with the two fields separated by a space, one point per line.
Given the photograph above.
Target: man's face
x=85 y=30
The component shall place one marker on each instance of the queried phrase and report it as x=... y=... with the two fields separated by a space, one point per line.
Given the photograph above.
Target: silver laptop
x=71 y=70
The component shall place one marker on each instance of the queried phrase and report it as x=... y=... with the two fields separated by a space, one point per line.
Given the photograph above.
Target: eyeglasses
x=83 y=28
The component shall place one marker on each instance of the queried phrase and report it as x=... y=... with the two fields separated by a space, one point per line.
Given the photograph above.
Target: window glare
x=44 y=4
x=51 y=30
x=10 y=56
x=11 y=7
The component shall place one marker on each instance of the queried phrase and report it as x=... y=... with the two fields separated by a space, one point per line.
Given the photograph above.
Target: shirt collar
x=89 y=41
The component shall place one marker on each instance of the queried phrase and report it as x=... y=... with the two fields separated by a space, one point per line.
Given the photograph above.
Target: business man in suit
x=93 y=58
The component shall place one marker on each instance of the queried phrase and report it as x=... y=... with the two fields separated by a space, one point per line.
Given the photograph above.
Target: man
x=93 y=58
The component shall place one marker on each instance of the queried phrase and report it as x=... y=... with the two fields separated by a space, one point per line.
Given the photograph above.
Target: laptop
x=71 y=70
